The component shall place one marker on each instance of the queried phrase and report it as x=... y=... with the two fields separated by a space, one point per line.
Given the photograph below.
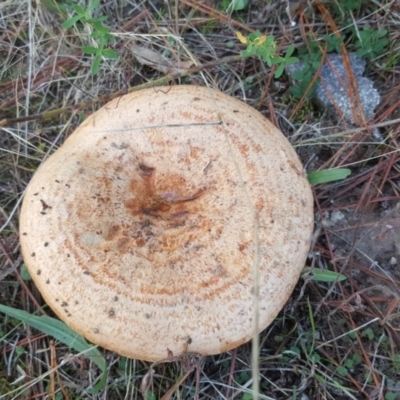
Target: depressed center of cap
x=165 y=204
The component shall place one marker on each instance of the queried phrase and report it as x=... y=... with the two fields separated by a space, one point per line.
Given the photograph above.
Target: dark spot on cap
x=147 y=315
x=46 y=244
x=111 y=313
x=24 y=233
x=47 y=281
x=35 y=194
x=95 y=331
x=145 y=170
x=115 y=298
x=57 y=181
x=33 y=254
x=86 y=272
x=38 y=272
x=64 y=304
x=45 y=206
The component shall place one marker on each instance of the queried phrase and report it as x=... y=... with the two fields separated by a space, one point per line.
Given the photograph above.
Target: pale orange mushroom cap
x=142 y=230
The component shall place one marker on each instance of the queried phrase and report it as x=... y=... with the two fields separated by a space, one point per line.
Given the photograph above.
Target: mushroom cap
x=142 y=231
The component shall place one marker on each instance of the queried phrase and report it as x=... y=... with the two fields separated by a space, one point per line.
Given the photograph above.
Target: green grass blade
x=63 y=334
x=328 y=175
x=323 y=275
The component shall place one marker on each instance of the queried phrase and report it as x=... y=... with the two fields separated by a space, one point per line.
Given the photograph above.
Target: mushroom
x=144 y=229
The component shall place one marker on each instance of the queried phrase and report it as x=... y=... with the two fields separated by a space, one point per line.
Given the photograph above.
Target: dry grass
x=332 y=341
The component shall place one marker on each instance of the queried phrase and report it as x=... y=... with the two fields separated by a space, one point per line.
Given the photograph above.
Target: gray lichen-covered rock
x=333 y=89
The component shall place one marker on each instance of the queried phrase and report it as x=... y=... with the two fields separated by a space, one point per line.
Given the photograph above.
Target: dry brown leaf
x=157 y=61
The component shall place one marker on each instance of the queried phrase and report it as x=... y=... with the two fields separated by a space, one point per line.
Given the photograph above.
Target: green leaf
x=103 y=40
x=91 y=50
x=382 y=32
x=296 y=91
x=244 y=377
x=254 y=35
x=349 y=364
x=295 y=350
x=315 y=358
x=99 y=27
x=237 y=5
x=69 y=23
x=368 y=333
x=279 y=71
x=342 y=371
x=357 y=359
x=80 y=10
x=352 y=335
x=291 y=60
x=323 y=275
x=25 y=275
x=299 y=75
x=109 y=53
x=94 y=4
x=96 y=64
x=371 y=42
x=277 y=60
x=247 y=53
x=63 y=334
x=267 y=59
x=328 y=175
x=102 y=18
x=289 y=51
x=151 y=396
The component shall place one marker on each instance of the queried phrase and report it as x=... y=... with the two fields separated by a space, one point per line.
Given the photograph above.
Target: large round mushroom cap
x=143 y=230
